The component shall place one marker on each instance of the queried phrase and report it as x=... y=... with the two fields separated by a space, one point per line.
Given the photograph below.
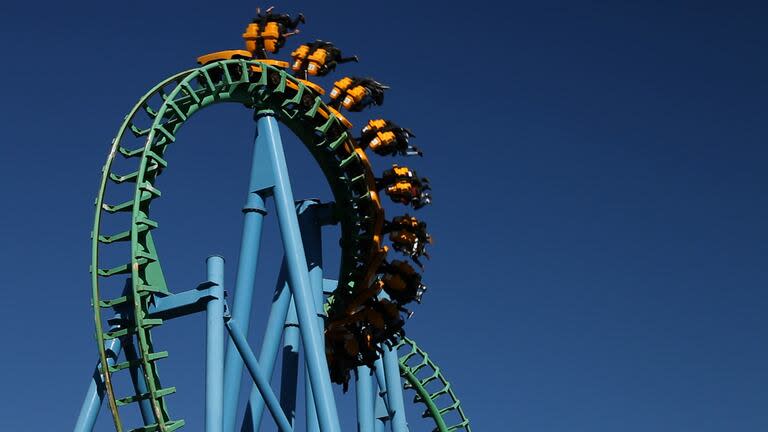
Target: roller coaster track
x=423 y=376
x=126 y=314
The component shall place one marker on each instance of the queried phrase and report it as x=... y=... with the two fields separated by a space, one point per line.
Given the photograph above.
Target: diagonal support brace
x=258 y=376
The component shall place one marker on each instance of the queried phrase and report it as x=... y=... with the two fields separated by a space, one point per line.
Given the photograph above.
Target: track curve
x=256 y=86
x=422 y=375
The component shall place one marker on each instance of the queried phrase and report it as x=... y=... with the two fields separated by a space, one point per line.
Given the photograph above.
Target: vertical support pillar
x=311 y=235
x=298 y=280
x=214 y=343
x=258 y=189
x=394 y=390
x=311 y=420
x=381 y=390
x=382 y=415
x=95 y=393
x=364 y=395
x=290 y=372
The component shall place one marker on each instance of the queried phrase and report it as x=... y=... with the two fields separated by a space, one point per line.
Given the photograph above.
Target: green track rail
x=423 y=376
x=257 y=86
x=169 y=105
x=123 y=328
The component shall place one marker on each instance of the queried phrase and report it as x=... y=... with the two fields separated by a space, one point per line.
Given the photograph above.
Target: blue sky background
x=600 y=211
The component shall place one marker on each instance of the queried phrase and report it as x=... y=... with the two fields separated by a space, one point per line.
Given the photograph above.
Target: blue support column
x=139 y=384
x=381 y=425
x=299 y=282
x=388 y=376
x=258 y=188
x=312 y=423
x=259 y=377
x=381 y=391
x=382 y=415
x=95 y=393
x=394 y=390
x=269 y=347
x=310 y=215
x=214 y=344
x=290 y=365
x=364 y=395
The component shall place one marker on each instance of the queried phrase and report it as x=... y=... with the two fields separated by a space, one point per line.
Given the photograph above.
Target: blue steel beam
x=329 y=285
x=322 y=215
x=95 y=393
x=392 y=384
x=381 y=381
x=214 y=344
x=312 y=423
x=394 y=390
x=259 y=377
x=258 y=189
x=298 y=280
x=269 y=347
x=364 y=395
x=312 y=215
x=181 y=304
x=382 y=413
x=290 y=364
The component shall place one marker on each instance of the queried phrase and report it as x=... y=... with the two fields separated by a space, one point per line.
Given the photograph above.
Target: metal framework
x=308 y=310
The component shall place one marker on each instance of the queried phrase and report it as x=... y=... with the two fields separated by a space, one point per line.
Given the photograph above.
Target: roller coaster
x=350 y=329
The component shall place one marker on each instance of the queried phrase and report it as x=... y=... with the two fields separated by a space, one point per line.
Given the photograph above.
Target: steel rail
x=430 y=399
x=97 y=304
x=255 y=85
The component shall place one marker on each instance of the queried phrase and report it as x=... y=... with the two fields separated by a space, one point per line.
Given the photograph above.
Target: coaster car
x=317 y=58
x=386 y=138
x=404 y=186
x=401 y=282
x=354 y=341
x=268 y=32
x=356 y=94
x=409 y=236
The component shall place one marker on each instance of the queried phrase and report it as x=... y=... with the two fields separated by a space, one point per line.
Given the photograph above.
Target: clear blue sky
x=600 y=210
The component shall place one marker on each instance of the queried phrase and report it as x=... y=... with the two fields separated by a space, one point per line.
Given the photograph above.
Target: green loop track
x=262 y=88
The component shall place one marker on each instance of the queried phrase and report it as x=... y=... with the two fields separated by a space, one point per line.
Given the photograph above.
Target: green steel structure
x=361 y=326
